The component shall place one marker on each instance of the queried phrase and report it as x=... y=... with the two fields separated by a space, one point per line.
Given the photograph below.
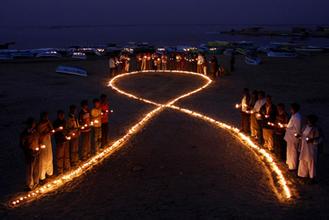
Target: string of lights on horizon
x=280 y=186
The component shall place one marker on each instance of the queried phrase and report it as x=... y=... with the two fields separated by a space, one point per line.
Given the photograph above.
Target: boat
x=79 y=55
x=70 y=70
x=6 y=57
x=49 y=54
x=309 y=49
x=22 y=54
x=287 y=54
x=252 y=60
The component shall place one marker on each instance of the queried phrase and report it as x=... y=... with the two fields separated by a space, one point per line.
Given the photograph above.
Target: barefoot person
x=310 y=139
x=281 y=121
x=105 y=107
x=96 y=118
x=29 y=141
x=84 y=120
x=293 y=131
x=268 y=112
x=72 y=126
x=62 y=143
x=45 y=129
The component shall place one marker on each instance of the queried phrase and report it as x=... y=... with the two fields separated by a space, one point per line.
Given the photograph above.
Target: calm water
x=64 y=36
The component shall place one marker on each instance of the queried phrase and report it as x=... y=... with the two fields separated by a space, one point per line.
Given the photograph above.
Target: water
x=167 y=35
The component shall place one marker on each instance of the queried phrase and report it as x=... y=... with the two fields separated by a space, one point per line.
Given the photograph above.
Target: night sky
x=105 y=12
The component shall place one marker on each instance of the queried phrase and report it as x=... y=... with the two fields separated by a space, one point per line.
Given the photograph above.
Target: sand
x=177 y=167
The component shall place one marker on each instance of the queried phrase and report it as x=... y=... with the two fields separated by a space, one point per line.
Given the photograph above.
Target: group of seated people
x=76 y=137
x=293 y=141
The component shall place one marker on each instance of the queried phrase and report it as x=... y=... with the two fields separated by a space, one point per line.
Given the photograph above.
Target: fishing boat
x=49 y=54
x=70 y=70
x=79 y=55
x=252 y=60
x=287 y=54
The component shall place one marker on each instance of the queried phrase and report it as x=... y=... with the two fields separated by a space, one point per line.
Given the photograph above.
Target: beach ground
x=177 y=167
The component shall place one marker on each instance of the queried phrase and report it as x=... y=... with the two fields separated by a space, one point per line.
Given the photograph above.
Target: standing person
x=310 y=139
x=144 y=63
x=127 y=64
x=72 y=126
x=96 y=118
x=291 y=137
x=281 y=121
x=29 y=142
x=85 y=120
x=213 y=69
x=158 y=62
x=253 y=121
x=45 y=129
x=62 y=144
x=148 y=62
x=164 y=60
x=232 y=62
x=257 y=117
x=268 y=112
x=200 y=62
x=244 y=107
x=205 y=66
x=105 y=107
x=139 y=58
x=112 y=66
x=118 y=65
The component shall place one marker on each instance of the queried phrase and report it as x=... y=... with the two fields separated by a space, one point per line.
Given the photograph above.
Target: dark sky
x=90 y=12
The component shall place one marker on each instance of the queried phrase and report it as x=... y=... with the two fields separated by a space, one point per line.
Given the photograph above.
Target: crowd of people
x=293 y=141
x=199 y=63
x=76 y=137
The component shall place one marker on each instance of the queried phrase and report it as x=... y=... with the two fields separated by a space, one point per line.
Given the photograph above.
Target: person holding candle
x=85 y=122
x=62 y=143
x=213 y=67
x=96 y=118
x=281 y=121
x=164 y=60
x=105 y=107
x=256 y=117
x=253 y=100
x=72 y=126
x=310 y=139
x=112 y=66
x=244 y=107
x=200 y=63
x=29 y=142
x=293 y=131
x=268 y=112
x=45 y=129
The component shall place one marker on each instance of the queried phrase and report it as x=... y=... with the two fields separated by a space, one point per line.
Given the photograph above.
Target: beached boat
x=49 y=54
x=79 y=56
x=309 y=49
x=71 y=70
x=287 y=54
x=252 y=60
x=6 y=57
x=22 y=54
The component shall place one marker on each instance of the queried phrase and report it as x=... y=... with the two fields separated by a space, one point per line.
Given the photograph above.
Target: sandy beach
x=177 y=167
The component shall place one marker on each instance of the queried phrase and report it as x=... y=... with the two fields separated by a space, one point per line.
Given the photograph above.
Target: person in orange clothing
x=105 y=107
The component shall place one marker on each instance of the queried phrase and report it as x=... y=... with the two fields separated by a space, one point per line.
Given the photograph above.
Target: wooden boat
x=287 y=54
x=49 y=54
x=70 y=70
x=252 y=60
x=79 y=55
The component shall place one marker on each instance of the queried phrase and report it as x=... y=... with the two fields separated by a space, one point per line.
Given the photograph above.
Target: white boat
x=49 y=54
x=287 y=54
x=252 y=60
x=70 y=70
x=79 y=55
x=22 y=54
x=6 y=57
x=309 y=49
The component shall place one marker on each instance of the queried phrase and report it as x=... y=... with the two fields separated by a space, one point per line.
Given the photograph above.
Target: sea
x=59 y=36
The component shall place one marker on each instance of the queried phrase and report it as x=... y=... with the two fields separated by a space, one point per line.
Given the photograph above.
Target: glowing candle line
x=60 y=181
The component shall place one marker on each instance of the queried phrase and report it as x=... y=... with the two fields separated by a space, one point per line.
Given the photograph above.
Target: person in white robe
x=45 y=130
x=293 y=131
x=310 y=140
x=256 y=117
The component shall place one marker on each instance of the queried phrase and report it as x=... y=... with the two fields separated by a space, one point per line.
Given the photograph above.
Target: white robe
x=293 y=127
x=308 y=153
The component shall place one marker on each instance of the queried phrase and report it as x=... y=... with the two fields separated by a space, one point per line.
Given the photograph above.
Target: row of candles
x=60 y=181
